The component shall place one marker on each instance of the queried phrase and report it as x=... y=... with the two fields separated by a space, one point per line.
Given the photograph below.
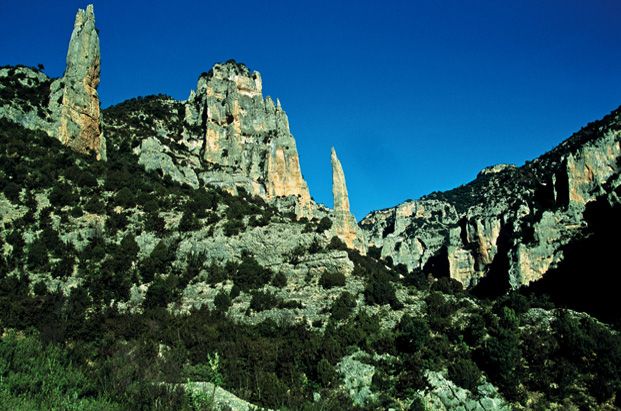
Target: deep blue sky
x=416 y=96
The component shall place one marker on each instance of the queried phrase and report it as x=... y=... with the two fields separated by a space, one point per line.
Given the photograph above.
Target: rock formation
x=510 y=222
x=243 y=138
x=74 y=96
x=66 y=108
x=344 y=223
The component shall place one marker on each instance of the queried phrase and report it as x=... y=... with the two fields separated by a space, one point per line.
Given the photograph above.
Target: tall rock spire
x=344 y=225
x=75 y=95
x=247 y=136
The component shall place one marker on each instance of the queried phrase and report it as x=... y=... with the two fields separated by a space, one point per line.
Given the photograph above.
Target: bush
x=37 y=256
x=262 y=301
x=233 y=227
x=11 y=191
x=331 y=279
x=465 y=373
x=279 y=280
x=324 y=224
x=62 y=195
x=189 y=222
x=95 y=206
x=162 y=291
x=379 y=291
x=326 y=373
x=124 y=198
x=447 y=285
x=250 y=275
x=501 y=355
x=222 y=301
x=336 y=244
x=36 y=376
x=343 y=306
x=412 y=334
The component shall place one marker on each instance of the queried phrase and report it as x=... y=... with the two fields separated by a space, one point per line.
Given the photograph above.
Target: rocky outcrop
x=444 y=394
x=510 y=222
x=344 y=223
x=238 y=133
x=66 y=108
x=24 y=97
x=74 y=97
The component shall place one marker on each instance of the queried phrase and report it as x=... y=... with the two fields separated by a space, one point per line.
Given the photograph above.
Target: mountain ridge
x=188 y=268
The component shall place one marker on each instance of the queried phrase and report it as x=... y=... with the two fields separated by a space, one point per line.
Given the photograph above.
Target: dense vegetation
x=78 y=347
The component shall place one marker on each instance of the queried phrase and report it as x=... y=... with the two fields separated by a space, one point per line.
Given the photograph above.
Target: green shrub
x=324 y=224
x=279 y=280
x=35 y=376
x=501 y=355
x=326 y=373
x=250 y=275
x=37 y=256
x=412 y=334
x=379 y=291
x=337 y=244
x=124 y=198
x=189 y=222
x=343 y=306
x=222 y=301
x=62 y=195
x=465 y=373
x=263 y=300
x=233 y=227
x=447 y=285
x=11 y=191
x=162 y=291
x=331 y=279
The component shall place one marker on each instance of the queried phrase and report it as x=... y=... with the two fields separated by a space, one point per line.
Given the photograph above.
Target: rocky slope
x=511 y=223
x=192 y=270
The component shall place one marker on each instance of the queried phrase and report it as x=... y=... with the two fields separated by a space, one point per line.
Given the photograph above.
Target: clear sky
x=416 y=96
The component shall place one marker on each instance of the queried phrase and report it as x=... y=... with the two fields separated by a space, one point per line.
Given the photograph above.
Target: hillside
x=167 y=255
x=509 y=226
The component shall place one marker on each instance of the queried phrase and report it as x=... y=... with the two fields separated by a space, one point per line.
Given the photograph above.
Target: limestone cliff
x=510 y=223
x=74 y=97
x=242 y=137
x=344 y=224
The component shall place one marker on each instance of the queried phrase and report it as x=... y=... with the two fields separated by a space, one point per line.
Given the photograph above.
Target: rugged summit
x=510 y=223
x=245 y=134
x=345 y=226
x=75 y=94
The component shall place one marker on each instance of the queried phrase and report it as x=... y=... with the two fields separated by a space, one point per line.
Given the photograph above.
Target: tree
x=263 y=300
x=330 y=279
x=379 y=290
x=343 y=306
x=37 y=256
x=412 y=334
x=324 y=224
x=465 y=373
x=501 y=354
x=189 y=221
x=279 y=280
x=11 y=191
x=222 y=301
x=250 y=275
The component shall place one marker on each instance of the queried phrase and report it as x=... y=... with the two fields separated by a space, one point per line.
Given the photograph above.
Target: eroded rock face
x=510 y=221
x=74 y=97
x=344 y=223
x=245 y=134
